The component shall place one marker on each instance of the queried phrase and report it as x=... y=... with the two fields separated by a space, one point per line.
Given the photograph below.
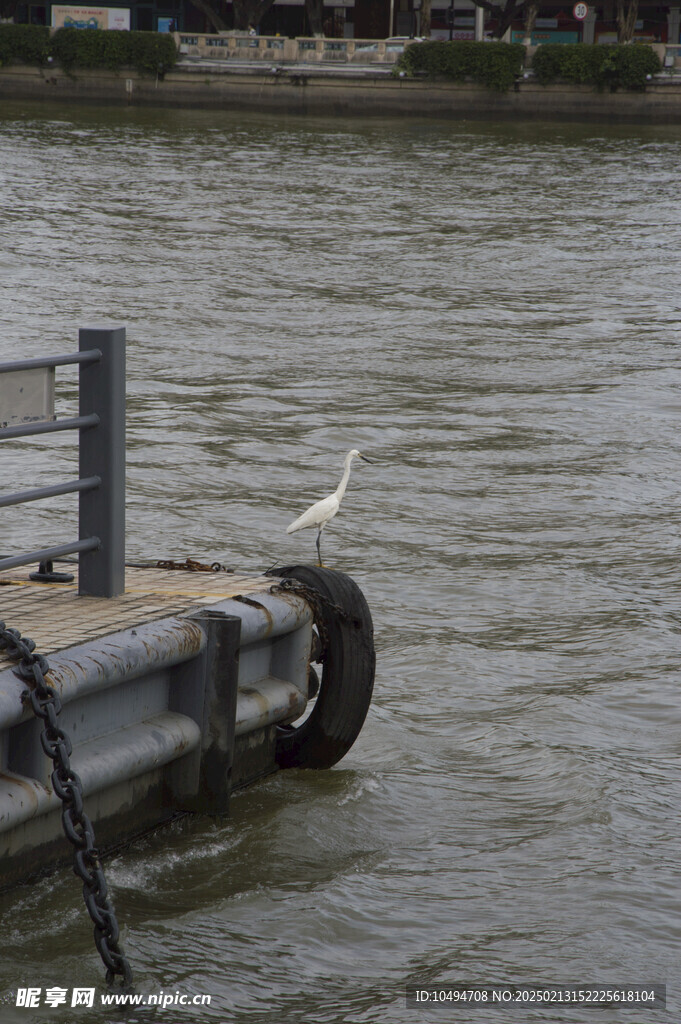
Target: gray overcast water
x=492 y=313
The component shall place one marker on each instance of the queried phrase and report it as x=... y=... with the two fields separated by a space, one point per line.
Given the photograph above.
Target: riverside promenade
x=320 y=88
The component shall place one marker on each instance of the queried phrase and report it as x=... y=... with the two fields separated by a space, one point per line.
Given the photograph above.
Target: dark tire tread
x=347 y=677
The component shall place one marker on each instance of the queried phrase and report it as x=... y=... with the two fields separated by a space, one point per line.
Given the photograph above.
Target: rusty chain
x=191 y=565
x=46 y=704
x=319 y=604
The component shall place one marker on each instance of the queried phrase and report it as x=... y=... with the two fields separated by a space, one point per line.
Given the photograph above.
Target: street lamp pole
x=450 y=19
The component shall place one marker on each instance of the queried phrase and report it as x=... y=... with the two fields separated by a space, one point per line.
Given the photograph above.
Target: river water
x=491 y=312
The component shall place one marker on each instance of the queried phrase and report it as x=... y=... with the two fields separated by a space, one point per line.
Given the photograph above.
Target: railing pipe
x=101 y=486
x=90 y=356
x=47 y=554
x=50 y=427
x=102 y=453
x=49 y=492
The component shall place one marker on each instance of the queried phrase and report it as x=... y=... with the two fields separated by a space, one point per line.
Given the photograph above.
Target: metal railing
x=101 y=482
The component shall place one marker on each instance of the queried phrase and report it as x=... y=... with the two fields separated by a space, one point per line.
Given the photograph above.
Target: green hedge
x=605 y=66
x=495 y=65
x=24 y=44
x=72 y=48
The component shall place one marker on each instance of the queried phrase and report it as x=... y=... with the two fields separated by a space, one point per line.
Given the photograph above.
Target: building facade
x=378 y=19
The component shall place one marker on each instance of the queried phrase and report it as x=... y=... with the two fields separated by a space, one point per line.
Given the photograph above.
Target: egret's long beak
x=365 y=458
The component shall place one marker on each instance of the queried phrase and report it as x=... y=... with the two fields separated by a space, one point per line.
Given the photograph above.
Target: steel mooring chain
x=46 y=704
x=318 y=602
x=191 y=565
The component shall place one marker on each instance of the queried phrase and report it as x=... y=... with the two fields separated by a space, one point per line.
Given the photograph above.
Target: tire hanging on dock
x=348 y=663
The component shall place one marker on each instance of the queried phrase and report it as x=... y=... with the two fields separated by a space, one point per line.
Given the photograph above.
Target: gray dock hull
x=169 y=716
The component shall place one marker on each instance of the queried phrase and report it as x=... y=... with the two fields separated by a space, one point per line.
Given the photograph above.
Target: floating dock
x=175 y=693
x=164 y=689
x=156 y=726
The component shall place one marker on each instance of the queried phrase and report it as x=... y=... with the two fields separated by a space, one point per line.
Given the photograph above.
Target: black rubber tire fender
x=348 y=669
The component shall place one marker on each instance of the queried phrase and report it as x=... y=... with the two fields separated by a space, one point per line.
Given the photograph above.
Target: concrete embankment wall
x=294 y=90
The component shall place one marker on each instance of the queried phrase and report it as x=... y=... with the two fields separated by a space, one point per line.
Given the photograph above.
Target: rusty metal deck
x=56 y=617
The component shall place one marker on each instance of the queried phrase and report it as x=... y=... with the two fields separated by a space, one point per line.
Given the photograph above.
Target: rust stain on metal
x=190 y=636
x=28 y=788
x=182 y=745
x=292 y=598
x=293 y=700
x=261 y=607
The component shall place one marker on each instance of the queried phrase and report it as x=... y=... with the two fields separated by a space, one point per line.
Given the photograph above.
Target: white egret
x=319 y=514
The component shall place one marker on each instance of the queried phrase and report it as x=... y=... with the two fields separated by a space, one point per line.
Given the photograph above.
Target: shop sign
x=68 y=16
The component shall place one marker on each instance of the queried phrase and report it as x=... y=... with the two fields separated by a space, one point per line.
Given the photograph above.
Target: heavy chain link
x=319 y=605
x=191 y=565
x=46 y=704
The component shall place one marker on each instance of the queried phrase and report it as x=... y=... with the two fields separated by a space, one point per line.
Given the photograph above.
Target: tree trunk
x=627 y=13
x=249 y=13
x=315 y=16
x=530 y=18
x=424 y=26
x=214 y=19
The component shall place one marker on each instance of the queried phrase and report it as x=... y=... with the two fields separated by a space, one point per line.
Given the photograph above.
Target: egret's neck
x=340 y=490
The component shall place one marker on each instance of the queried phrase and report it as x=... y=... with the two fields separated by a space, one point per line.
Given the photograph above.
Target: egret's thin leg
x=319 y=550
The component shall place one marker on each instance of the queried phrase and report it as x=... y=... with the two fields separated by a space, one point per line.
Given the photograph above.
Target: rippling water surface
x=492 y=313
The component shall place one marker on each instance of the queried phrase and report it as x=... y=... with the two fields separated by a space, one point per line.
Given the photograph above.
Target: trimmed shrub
x=494 y=65
x=24 y=44
x=72 y=48
x=152 y=51
x=605 y=66
x=635 y=63
x=93 y=48
x=89 y=48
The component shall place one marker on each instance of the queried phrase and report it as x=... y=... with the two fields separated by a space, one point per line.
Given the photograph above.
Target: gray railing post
x=102 y=453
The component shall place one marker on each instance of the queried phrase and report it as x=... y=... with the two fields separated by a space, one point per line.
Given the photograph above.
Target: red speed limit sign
x=580 y=11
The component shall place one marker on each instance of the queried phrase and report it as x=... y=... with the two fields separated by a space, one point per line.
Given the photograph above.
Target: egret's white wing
x=317 y=515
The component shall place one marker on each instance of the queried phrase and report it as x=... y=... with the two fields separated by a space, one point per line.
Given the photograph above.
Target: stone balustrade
x=229 y=46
